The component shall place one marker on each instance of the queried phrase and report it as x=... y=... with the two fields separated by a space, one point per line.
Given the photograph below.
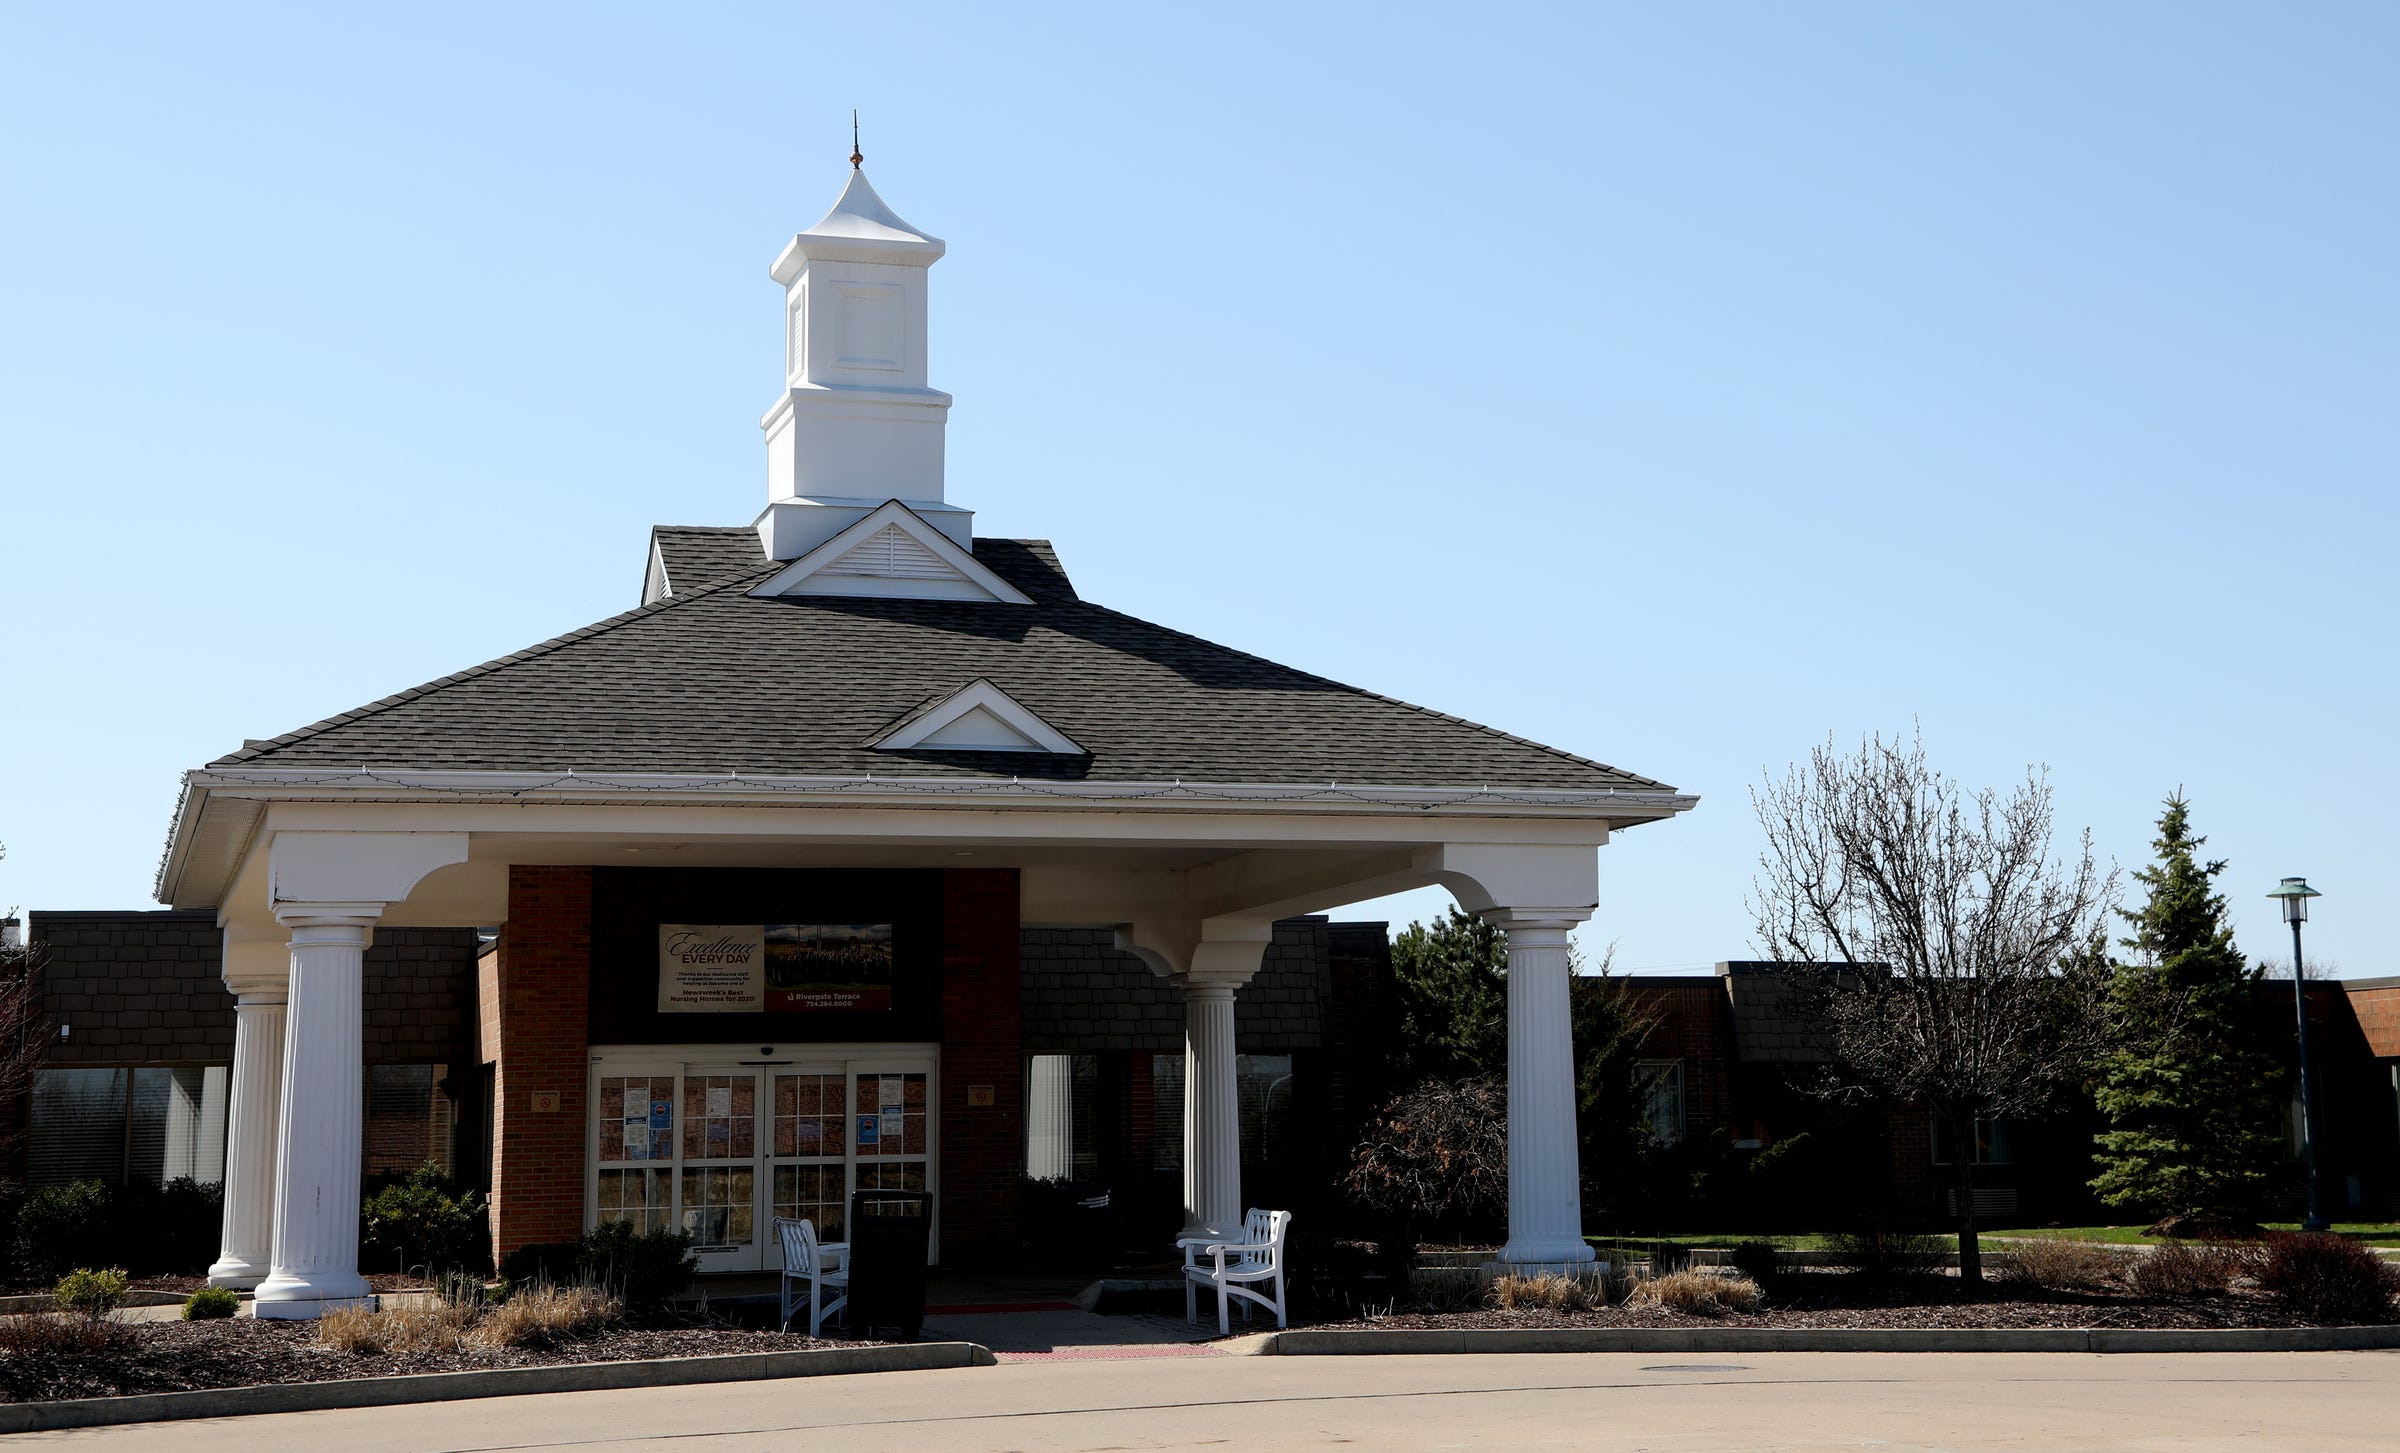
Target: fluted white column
x=317 y=1159
x=257 y=1099
x=1050 y=1117
x=1545 y=1194
x=1212 y=1112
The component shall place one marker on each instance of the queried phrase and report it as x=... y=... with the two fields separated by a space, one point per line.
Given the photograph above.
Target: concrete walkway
x=1065 y=1331
x=1788 y=1402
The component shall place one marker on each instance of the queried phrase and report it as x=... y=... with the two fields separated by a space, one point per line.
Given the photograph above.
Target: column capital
x=328 y=922
x=257 y=971
x=1535 y=923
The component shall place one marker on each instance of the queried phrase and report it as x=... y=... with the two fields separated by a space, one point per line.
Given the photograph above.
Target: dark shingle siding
x=148 y=988
x=719 y=681
x=1083 y=995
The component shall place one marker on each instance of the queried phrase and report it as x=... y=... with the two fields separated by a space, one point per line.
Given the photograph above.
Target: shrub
x=543 y=1316
x=2060 y=1265
x=1435 y=1157
x=1552 y=1292
x=552 y=1261
x=1873 y=1250
x=643 y=1268
x=2328 y=1279
x=92 y=1294
x=1698 y=1292
x=1757 y=1260
x=176 y=1229
x=424 y=1221
x=50 y=1332
x=61 y=1227
x=210 y=1303
x=172 y=1228
x=2177 y=1269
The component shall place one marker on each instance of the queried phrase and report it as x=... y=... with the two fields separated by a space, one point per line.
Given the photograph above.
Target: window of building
x=1166 y=1112
x=1263 y=1086
x=146 y=1124
x=1992 y=1144
x=408 y=1119
x=1264 y=1083
x=1062 y=1141
x=1658 y=1083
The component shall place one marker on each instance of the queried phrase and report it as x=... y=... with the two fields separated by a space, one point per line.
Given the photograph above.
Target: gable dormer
x=894 y=553
x=978 y=717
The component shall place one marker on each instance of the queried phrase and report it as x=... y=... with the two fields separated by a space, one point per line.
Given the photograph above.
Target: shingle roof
x=697 y=555
x=712 y=679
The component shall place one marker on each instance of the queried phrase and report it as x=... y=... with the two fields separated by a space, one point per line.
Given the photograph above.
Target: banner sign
x=716 y=968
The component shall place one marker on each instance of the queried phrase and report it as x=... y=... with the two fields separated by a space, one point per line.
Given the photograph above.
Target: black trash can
x=890 y=1233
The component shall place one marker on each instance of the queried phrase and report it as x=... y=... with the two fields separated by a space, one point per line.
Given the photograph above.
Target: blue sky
x=1674 y=386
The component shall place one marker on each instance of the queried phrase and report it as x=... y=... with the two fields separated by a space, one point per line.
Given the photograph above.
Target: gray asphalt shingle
x=711 y=679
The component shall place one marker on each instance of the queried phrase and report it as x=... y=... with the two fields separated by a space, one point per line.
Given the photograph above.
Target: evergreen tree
x=2190 y=1092
x=1453 y=982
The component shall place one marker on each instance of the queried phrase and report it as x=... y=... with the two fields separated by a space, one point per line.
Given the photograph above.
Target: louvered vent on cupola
x=892 y=555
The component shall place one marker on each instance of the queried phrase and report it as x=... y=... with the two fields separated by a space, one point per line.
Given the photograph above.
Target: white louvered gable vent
x=892 y=554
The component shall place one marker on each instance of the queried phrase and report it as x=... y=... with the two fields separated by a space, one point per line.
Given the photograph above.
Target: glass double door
x=719 y=1151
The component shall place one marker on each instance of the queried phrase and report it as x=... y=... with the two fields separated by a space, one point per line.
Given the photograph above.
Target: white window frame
x=1649 y=1077
x=677 y=1061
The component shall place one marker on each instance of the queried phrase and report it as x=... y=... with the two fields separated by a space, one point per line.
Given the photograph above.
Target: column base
x=1551 y=1256
x=286 y=1297
x=237 y=1273
x=308 y=1311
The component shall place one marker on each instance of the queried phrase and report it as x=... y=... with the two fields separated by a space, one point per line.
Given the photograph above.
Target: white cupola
x=856 y=426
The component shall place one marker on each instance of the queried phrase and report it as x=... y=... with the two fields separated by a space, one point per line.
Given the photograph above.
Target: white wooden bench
x=1236 y=1267
x=824 y=1265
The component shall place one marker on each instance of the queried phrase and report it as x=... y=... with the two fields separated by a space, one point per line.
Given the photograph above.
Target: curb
x=1405 y=1341
x=435 y=1387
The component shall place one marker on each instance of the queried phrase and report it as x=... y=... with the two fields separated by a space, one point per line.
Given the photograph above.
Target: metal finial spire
x=855 y=156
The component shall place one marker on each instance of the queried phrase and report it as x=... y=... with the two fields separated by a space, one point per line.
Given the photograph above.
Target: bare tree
x=24 y=1031
x=1942 y=953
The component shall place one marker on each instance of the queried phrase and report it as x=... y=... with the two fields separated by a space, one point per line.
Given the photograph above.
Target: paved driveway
x=2285 y=1403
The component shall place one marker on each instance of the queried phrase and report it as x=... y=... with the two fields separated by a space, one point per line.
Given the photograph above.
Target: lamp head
x=2295 y=894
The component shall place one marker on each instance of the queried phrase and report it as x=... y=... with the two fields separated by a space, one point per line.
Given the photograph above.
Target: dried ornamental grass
x=60 y=1333
x=1551 y=1292
x=543 y=1315
x=2061 y=1265
x=1700 y=1293
x=411 y=1327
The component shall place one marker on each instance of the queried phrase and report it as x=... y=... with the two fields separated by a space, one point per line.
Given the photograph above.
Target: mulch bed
x=1830 y=1300
x=182 y=1356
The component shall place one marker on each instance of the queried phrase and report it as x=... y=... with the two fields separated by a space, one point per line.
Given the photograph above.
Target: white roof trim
x=815 y=573
x=980 y=717
x=415 y=784
x=655 y=584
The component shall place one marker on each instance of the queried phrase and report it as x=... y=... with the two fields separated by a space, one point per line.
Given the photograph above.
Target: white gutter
x=410 y=784
x=741 y=789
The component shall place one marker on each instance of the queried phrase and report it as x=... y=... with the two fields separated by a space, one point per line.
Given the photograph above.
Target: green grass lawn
x=2373 y=1233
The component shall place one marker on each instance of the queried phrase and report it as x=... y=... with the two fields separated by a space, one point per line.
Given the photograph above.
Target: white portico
x=923 y=737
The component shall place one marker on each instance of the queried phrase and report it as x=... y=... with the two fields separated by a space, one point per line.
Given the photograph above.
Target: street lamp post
x=2295 y=894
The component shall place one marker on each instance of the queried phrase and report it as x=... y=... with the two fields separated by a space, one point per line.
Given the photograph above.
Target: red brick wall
x=542 y=982
x=983 y=1146
x=2378 y=1012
